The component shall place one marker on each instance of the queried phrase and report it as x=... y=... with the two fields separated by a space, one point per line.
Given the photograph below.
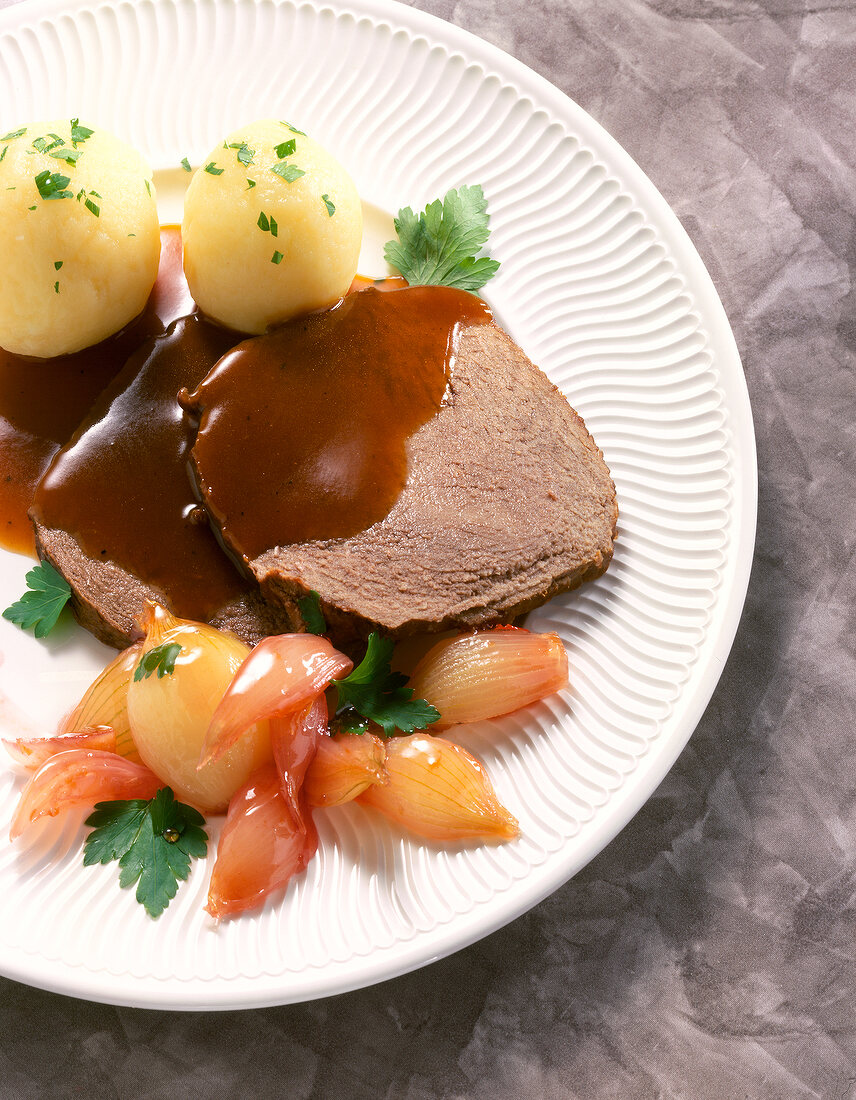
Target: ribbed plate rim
x=221 y=994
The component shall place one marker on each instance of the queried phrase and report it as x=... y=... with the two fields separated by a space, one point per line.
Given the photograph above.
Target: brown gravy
x=122 y=487
x=303 y=431
x=42 y=401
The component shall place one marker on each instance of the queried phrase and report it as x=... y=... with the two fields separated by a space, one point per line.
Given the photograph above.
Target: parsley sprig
x=39 y=608
x=440 y=246
x=375 y=692
x=153 y=841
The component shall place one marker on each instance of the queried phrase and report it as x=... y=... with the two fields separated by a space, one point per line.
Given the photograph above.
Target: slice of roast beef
x=107 y=599
x=507 y=502
x=115 y=512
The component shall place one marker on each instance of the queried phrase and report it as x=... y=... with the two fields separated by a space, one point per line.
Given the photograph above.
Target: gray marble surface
x=709 y=951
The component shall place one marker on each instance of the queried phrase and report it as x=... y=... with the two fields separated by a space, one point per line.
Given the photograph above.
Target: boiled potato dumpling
x=272 y=228
x=79 y=237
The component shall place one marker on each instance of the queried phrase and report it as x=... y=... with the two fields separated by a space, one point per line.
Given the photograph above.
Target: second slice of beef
x=507 y=503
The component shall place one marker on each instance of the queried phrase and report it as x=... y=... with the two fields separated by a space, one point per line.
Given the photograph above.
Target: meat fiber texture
x=108 y=600
x=508 y=502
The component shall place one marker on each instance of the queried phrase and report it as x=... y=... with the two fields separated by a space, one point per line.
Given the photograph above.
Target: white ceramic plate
x=602 y=288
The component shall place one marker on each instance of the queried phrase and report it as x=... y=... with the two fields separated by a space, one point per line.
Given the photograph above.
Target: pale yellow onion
x=342 y=768
x=170 y=714
x=440 y=791
x=489 y=673
x=106 y=702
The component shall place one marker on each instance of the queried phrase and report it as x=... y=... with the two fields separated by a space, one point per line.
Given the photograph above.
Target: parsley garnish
x=250 y=184
x=288 y=172
x=185 y=164
x=285 y=148
x=52 y=185
x=245 y=153
x=57 y=264
x=440 y=246
x=56 y=288
x=328 y=202
x=3 y=155
x=39 y=607
x=70 y=156
x=148 y=184
x=79 y=133
x=268 y=224
x=310 y=611
x=14 y=134
x=375 y=692
x=44 y=146
x=293 y=129
x=212 y=169
x=91 y=206
x=276 y=258
x=153 y=842
x=161 y=660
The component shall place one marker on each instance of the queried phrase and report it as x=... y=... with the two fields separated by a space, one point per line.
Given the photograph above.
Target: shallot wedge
x=440 y=791
x=343 y=767
x=283 y=673
x=489 y=673
x=260 y=847
x=32 y=752
x=294 y=739
x=80 y=777
x=105 y=702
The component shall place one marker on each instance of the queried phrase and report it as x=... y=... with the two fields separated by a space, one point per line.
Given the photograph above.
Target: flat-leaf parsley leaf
x=374 y=691
x=152 y=840
x=440 y=246
x=288 y=172
x=52 y=185
x=161 y=660
x=40 y=607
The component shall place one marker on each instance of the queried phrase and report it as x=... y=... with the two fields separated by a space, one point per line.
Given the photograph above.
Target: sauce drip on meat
x=122 y=488
x=303 y=431
x=42 y=401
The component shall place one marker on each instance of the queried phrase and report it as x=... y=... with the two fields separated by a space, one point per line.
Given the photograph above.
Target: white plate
x=602 y=288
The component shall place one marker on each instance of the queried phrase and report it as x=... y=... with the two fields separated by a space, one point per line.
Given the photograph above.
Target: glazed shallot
x=490 y=673
x=106 y=702
x=32 y=752
x=260 y=847
x=283 y=673
x=294 y=738
x=343 y=767
x=438 y=790
x=80 y=777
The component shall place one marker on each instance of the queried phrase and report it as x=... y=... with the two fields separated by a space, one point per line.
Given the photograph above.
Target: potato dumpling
x=79 y=237
x=272 y=228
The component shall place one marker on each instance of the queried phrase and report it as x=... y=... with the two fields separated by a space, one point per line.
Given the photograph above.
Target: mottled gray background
x=709 y=951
